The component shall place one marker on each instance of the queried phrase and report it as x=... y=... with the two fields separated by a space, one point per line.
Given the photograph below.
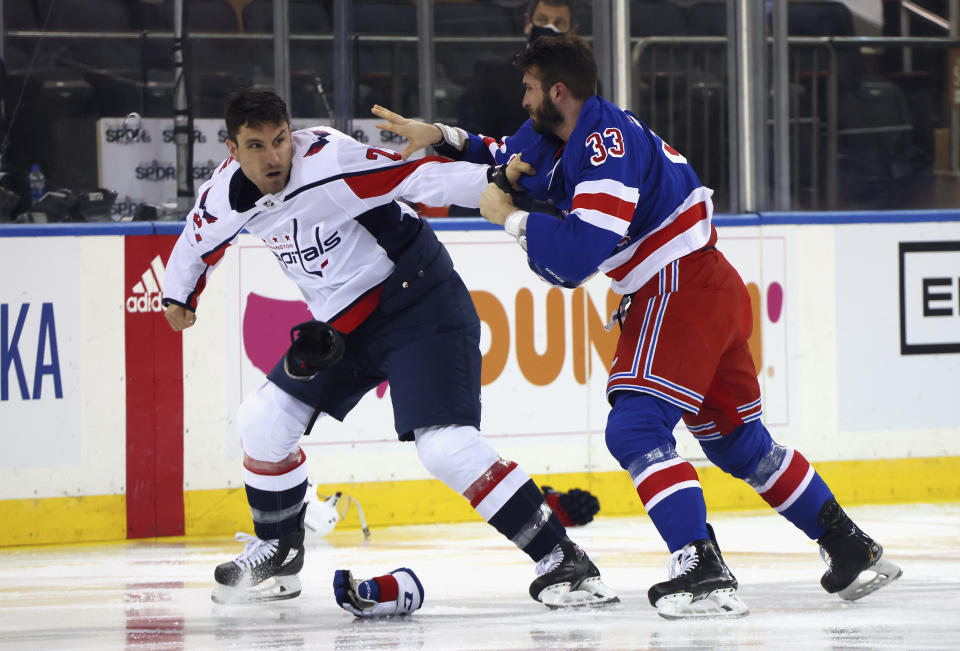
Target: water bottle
x=38 y=184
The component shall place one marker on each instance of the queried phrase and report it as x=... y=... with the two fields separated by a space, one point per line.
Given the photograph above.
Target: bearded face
x=536 y=100
x=546 y=116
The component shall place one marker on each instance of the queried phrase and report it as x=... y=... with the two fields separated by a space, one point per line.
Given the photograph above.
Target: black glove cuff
x=315 y=346
x=446 y=150
x=498 y=176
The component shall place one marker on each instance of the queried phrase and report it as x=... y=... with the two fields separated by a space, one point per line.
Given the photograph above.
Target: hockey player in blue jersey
x=632 y=207
x=388 y=305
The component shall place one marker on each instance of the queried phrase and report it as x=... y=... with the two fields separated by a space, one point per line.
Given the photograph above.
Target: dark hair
x=569 y=4
x=253 y=107
x=563 y=59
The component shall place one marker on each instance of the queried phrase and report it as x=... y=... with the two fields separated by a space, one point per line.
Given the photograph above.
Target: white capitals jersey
x=335 y=228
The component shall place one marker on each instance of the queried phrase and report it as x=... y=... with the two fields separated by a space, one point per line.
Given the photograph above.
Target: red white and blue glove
x=575 y=507
x=397 y=593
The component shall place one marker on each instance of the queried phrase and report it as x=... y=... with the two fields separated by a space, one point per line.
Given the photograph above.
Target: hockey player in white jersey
x=387 y=305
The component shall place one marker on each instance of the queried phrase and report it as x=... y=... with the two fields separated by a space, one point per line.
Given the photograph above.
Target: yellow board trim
x=63 y=519
x=882 y=481
x=222 y=512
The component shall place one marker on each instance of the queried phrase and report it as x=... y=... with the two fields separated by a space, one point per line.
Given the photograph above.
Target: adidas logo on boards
x=148 y=293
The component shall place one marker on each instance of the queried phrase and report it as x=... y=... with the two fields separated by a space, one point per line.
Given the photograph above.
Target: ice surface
x=156 y=594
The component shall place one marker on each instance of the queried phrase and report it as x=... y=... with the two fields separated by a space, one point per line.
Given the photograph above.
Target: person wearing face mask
x=491 y=104
x=549 y=18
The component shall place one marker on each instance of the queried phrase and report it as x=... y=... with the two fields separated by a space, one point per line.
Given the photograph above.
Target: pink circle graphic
x=774 y=301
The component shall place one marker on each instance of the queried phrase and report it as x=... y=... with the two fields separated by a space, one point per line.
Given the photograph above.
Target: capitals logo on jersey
x=310 y=255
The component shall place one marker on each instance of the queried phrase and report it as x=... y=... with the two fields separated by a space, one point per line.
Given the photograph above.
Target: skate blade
x=719 y=604
x=591 y=593
x=871 y=579
x=275 y=588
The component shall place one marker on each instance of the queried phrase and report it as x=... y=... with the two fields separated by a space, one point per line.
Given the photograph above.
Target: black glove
x=314 y=346
x=575 y=507
x=498 y=176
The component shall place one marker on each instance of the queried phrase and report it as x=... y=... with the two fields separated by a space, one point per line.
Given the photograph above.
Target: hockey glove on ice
x=575 y=507
x=397 y=593
x=314 y=346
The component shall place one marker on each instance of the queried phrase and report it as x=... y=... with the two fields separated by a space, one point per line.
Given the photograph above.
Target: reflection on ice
x=156 y=594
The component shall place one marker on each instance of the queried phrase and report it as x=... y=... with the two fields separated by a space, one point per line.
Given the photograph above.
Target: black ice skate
x=855 y=562
x=699 y=585
x=566 y=578
x=266 y=570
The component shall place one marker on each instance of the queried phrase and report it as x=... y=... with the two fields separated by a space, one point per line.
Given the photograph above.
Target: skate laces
x=682 y=561
x=256 y=550
x=550 y=562
x=826 y=558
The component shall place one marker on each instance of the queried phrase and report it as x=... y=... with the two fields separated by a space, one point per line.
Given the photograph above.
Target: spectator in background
x=549 y=17
x=491 y=104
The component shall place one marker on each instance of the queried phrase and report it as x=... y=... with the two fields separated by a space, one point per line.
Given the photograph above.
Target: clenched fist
x=179 y=317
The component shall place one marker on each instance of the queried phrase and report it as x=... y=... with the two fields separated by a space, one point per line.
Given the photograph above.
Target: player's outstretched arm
x=419 y=135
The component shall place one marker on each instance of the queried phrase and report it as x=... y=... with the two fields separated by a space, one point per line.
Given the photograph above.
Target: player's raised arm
x=441 y=183
x=419 y=135
x=451 y=142
x=373 y=177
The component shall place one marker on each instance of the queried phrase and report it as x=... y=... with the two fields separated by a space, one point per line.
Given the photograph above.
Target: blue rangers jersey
x=336 y=229
x=631 y=203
